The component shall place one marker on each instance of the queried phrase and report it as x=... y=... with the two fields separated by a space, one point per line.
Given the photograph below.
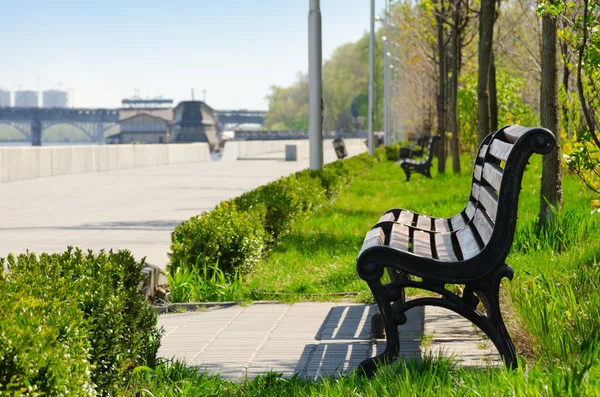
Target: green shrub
x=43 y=346
x=232 y=238
x=96 y=297
x=236 y=233
x=284 y=200
x=392 y=152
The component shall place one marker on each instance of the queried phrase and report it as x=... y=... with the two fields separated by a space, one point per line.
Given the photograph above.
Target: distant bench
x=468 y=249
x=421 y=166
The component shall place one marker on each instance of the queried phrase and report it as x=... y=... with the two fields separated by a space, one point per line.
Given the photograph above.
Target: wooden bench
x=414 y=150
x=468 y=249
x=420 y=166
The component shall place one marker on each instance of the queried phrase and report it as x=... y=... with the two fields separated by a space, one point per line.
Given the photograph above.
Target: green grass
x=432 y=377
x=552 y=305
x=318 y=257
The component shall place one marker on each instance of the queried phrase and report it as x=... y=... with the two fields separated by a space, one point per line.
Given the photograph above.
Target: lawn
x=553 y=304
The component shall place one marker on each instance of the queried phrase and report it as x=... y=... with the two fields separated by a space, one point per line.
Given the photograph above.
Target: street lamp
x=387 y=74
x=370 y=140
x=315 y=87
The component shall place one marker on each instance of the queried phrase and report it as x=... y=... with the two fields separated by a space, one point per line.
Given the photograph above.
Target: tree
x=551 y=190
x=442 y=78
x=456 y=20
x=487 y=16
x=582 y=35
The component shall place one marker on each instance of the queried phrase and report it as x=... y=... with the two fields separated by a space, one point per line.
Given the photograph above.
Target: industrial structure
x=26 y=99
x=194 y=121
x=143 y=126
x=5 y=98
x=55 y=99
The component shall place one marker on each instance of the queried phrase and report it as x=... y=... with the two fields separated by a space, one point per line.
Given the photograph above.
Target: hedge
x=237 y=233
x=73 y=323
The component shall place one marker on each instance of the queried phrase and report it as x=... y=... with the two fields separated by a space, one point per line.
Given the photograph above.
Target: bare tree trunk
x=486 y=37
x=551 y=191
x=564 y=51
x=454 y=88
x=493 y=95
x=441 y=99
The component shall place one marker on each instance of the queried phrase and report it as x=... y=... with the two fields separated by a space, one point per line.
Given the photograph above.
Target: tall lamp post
x=370 y=138
x=387 y=75
x=315 y=87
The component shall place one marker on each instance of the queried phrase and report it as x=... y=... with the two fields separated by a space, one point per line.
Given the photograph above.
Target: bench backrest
x=490 y=216
x=430 y=146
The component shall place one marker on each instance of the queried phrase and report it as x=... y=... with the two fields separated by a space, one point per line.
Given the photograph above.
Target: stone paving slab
x=310 y=339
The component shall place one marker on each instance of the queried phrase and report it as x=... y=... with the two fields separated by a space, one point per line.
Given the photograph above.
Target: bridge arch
x=22 y=129
x=88 y=133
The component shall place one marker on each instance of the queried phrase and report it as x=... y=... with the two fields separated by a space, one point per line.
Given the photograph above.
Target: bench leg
x=386 y=322
x=392 y=348
x=489 y=295
x=406 y=169
x=377 y=322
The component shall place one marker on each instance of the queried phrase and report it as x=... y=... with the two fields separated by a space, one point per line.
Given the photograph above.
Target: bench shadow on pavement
x=345 y=341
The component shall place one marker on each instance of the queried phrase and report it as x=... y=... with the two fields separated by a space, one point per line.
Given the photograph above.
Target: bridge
x=228 y=119
x=31 y=122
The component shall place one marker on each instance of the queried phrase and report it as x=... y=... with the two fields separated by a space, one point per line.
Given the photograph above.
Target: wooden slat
x=514 y=132
x=475 y=191
x=500 y=150
x=441 y=225
x=489 y=200
x=422 y=243
x=477 y=172
x=457 y=222
x=492 y=173
x=399 y=237
x=424 y=222
x=373 y=238
x=406 y=218
x=444 y=248
x=484 y=225
x=388 y=216
x=470 y=210
x=482 y=151
x=468 y=243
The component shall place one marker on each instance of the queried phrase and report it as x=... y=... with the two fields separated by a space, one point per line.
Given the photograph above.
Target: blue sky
x=105 y=50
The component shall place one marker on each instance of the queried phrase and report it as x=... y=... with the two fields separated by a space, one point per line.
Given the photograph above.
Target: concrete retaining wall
x=21 y=163
x=235 y=150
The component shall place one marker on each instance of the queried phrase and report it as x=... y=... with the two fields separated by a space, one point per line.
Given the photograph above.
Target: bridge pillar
x=99 y=133
x=36 y=132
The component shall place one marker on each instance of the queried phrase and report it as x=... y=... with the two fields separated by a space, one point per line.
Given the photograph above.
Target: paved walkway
x=311 y=339
x=133 y=209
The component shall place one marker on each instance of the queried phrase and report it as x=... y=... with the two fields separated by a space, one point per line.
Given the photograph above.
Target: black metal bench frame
x=468 y=249
x=410 y=151
x=421 y=166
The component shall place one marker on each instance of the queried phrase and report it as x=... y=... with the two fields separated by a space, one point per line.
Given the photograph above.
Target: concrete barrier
x=21 y=163
x=235 y=150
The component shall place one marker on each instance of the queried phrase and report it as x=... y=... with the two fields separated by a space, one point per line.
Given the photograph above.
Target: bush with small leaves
x=85 y=300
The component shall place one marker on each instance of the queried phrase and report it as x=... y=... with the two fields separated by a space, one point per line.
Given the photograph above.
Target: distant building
x=143 y=126
x=55 y=99
x=4 y=98
x=26 y=99
x=194 y=121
